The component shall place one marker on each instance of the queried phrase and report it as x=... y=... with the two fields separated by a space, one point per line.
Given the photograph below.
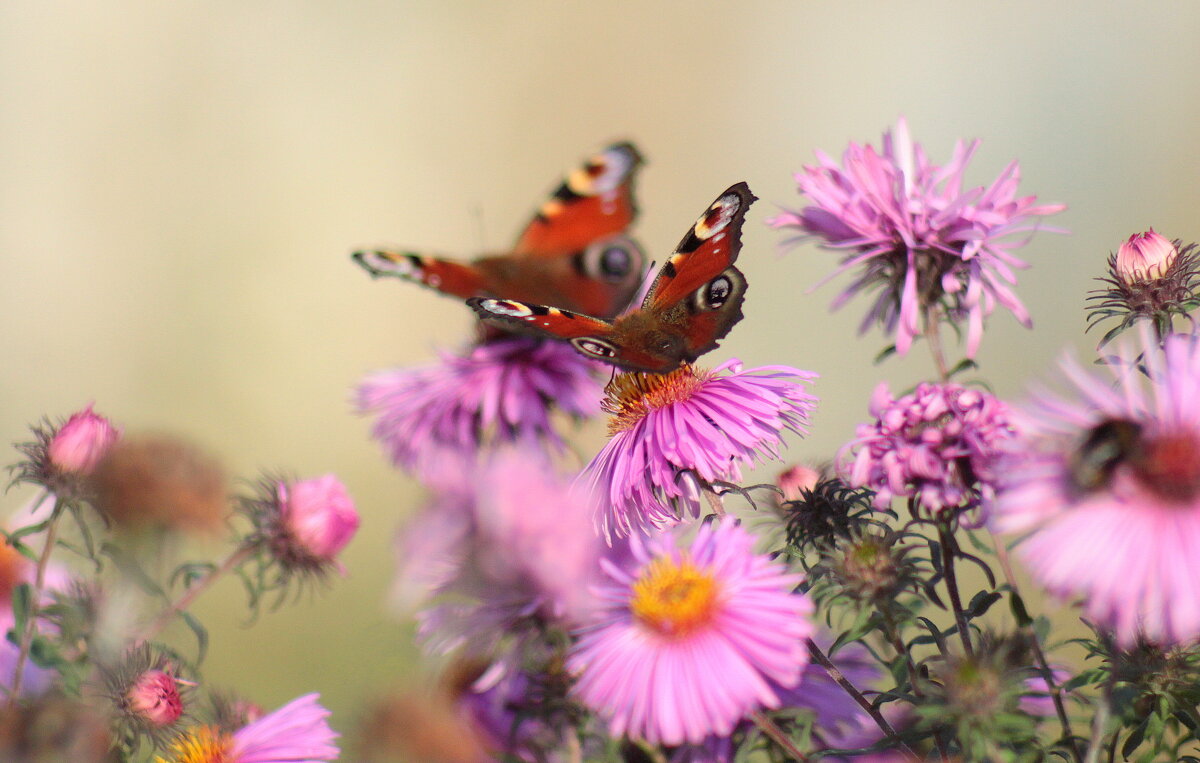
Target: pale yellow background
x=181 y=183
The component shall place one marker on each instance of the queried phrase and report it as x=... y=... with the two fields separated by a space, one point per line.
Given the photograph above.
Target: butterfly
x=695 y=300
x=574 y=252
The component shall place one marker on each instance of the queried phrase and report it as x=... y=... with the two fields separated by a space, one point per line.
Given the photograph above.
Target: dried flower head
x=61 y=456
x=420 y=727
x=1148 y=278
x=826 y=513
x=932 y=250
x=673 y=432
x=151 y=481
x=53 y=728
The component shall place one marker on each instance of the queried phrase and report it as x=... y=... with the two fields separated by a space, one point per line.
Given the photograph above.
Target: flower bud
x=318 y=516
x=81 y=442
x=1145 y=257
x=796 y=480
x=154 y=697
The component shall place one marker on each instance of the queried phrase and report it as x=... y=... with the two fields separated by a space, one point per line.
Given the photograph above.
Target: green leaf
x=981 y=603
x=1017 y=605
x=201 y=634
x=884 y=354
x=1134 y=740
x=22 y=606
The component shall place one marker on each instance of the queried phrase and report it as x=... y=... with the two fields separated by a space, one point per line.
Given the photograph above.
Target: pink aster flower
x=1106 y=484
x=302 y=525
x=295 y=733
x=936 y=444
x=673 y=432
x=60 y=456
x=434 y=419
x=691 y=636
x=522 y=556
x=922 y=241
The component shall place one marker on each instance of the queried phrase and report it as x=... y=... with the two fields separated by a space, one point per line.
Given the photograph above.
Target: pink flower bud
x=797 y=479
x=318 y=515
x=81 y=442
x=1145 y=257
x=154 y=697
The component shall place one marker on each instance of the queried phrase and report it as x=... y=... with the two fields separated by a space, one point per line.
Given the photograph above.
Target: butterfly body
x=694 y=301
x=573 y=253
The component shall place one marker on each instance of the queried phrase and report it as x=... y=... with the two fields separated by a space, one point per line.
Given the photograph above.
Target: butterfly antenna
x=480 y=229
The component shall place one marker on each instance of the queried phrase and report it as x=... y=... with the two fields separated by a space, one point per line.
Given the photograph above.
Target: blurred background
x=181 y=185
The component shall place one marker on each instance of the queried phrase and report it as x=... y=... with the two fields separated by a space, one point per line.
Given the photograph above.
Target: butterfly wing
x=698 y=291
x=594 y=201
x=459 y=279
x=591 y=336
x=572 y=254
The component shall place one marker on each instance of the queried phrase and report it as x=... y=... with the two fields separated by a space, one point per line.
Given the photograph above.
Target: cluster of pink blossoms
x=937 y=444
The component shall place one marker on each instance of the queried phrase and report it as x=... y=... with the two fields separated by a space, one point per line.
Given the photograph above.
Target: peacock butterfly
x=693 y=302
x=573 y=253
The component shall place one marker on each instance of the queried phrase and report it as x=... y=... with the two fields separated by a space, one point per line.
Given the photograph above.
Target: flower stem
x=772 y=730
x=819 y=657
x=933 y=336
x=35 y=600
x=1052 y=686
x=713 y=498
x=193 y=592
x=1096 y=743
x=949 y=544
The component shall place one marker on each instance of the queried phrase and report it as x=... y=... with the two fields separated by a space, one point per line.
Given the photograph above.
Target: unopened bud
x=1145 y=257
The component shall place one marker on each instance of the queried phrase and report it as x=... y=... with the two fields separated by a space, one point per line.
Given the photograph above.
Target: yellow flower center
x=674 y=598
x=630 y=396
x=203 y=744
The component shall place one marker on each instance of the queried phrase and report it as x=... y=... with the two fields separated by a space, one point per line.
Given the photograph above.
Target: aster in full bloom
x=671 y=433
x=295 y=733
x=936 y=444
x=433 y=420
x=691 y=637
x=930 y=249
x=520 y=558
x=1106 y=484
x=1148 y=278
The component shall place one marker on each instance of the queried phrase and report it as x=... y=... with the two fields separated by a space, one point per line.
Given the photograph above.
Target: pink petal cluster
x=298 y=732
x=79 y=444
x=672 y=686
x=937 y=444
x=516 y=552
x=917 y=236
x=435 y=419
x=1105 y=484
x=712 y=424
x=1145 y=257
x=318 y=516
x=154 y=697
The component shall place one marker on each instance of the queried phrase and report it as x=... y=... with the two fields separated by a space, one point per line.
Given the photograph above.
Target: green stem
x=192 y=593
x=948 y=545
x=35 y=601
x=772 y=730
x=934 y=337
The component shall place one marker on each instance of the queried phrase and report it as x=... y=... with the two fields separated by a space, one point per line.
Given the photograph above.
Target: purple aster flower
x=673 y=432
x=434 y=419
x=510 y=716
x=936 y=444
x=922 y=241
x=691 y=637
x=1106 y=484
x=525 y=557
x=295 y=733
